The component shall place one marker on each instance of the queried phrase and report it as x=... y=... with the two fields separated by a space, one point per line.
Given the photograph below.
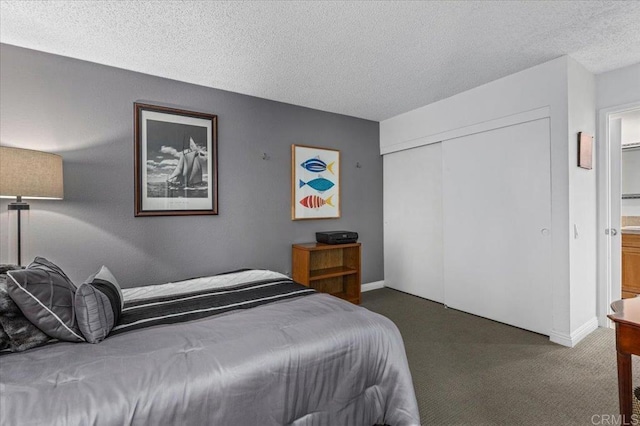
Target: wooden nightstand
x=329 y=268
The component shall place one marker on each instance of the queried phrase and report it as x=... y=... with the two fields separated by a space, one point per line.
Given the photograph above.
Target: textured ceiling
x=366 y=59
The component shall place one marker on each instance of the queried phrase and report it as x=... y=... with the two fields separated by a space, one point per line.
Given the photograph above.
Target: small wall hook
x=358 y=165
x=265 y=156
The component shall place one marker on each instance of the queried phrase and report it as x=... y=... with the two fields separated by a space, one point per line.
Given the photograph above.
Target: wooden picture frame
x=176 y=161
x=585 y=151
x=315 y=183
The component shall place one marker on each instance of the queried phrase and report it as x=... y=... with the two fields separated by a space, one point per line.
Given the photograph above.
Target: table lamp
x=28 y=174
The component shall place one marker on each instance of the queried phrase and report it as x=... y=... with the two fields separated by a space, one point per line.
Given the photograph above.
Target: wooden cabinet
x=630 y=265
x=329 y=268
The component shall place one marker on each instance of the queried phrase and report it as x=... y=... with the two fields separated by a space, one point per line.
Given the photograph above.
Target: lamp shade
x=30 y=174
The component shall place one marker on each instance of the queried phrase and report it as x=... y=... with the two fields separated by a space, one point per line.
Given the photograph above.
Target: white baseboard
x=570 y=340
x=372 y=286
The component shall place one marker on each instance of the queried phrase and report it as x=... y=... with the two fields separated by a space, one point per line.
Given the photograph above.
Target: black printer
x=337 y=237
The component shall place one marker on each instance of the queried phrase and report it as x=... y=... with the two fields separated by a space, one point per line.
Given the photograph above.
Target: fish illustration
x=314 y=202
x=316 y=165
x=319 y=184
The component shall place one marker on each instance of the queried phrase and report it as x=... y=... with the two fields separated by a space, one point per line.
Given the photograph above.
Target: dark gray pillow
x=45 y=295
x=99 y=304
x=16 y=332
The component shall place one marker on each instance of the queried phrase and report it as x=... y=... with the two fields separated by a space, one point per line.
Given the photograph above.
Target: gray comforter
x=313 y=360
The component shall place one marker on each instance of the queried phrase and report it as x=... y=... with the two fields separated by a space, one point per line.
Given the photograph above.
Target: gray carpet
x=472 y=371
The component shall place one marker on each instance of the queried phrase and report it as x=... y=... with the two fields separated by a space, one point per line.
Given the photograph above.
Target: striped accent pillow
x=98 y=303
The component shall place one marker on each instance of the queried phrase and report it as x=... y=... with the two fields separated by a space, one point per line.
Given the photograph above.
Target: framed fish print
x=315 y=183
x=176 y=161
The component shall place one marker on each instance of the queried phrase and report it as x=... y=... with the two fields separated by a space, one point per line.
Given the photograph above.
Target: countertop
x=630 y=230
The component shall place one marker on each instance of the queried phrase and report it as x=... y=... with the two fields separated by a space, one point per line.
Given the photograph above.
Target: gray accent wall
x=84 y=111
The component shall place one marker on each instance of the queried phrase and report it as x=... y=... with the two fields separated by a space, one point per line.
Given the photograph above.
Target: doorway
x=616 y=129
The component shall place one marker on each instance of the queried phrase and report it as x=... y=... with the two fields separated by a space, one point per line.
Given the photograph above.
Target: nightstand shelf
x=333 y=269
x=338 y=271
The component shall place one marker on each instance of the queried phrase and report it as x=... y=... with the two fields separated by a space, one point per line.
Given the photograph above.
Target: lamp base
x=18 y=206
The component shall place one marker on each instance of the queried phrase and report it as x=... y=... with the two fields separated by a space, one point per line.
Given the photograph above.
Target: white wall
x=541 y=88
x=630 y=176
x=631 y=182
x=618 y=87
x=582 y=198
x=630 y=163
x=631 y=127
x=631 y=207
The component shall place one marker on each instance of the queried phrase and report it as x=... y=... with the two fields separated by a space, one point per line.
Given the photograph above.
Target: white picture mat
x=175 y=203
x=328 y=156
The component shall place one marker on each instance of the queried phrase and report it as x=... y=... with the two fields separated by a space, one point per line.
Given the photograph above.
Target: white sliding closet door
x=497 y=225
x=413 y=221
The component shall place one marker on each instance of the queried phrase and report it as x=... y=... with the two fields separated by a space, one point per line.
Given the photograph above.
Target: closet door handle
x=545 y=232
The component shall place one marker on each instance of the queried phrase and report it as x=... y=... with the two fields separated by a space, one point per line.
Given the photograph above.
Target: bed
x=301 y=359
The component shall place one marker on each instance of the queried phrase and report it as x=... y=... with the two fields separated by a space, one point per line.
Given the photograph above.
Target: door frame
x=603 y=163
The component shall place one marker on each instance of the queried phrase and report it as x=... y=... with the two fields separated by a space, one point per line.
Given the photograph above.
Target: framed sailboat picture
x=315 y=183
x=176 y=164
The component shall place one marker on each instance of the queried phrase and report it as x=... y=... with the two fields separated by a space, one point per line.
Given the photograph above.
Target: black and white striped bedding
x=203 y=297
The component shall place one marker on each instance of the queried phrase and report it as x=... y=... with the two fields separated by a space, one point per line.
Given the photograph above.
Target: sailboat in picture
x=188 y=174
